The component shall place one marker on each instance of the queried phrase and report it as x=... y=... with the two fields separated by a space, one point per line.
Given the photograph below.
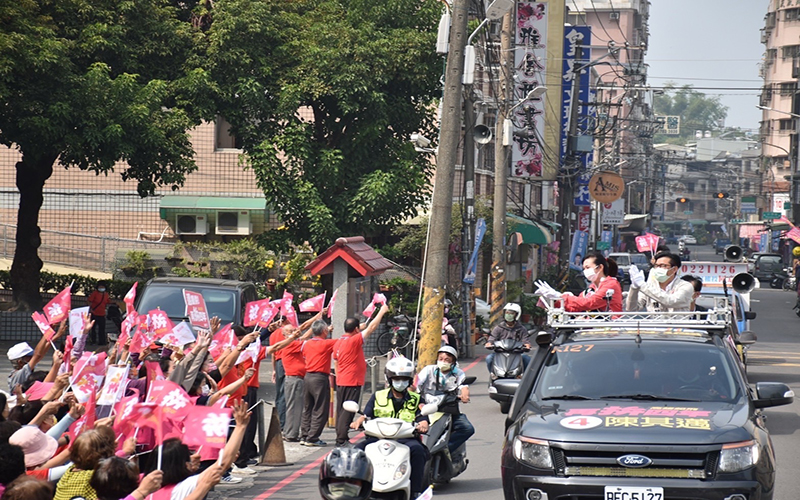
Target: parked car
x=224 y=298
x=688 y=239
x=616 y=411
x=624 y=261
x=763 y=265
x=720 y=244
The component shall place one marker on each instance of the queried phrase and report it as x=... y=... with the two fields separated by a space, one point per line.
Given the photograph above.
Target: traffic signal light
x=722 y=195
x=682 y=200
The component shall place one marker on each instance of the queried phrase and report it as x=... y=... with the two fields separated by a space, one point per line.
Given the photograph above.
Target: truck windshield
x=220 y=303
x=651 y=370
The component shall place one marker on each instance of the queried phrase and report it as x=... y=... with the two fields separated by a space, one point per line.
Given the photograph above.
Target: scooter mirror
x=429 y=409
x=351 y=406
x=470 y=380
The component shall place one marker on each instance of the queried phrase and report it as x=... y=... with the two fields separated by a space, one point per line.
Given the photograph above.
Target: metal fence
x=75 y=249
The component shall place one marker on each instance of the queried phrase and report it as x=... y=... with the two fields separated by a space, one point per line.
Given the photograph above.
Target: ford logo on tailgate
x=634 y=461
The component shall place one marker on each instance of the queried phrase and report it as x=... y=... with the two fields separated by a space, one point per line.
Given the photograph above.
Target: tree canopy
x=323 y=96
x=697 y=111
x=90 y=83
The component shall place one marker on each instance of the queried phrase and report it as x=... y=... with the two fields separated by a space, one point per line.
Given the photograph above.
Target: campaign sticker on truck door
x=581 y=422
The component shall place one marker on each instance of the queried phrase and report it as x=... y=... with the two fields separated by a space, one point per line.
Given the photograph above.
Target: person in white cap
x=24 y=359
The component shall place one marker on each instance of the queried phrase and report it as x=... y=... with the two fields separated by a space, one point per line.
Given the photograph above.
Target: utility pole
x=498 y=296
x=566 y=189
x=436 y=274
x=468 y=216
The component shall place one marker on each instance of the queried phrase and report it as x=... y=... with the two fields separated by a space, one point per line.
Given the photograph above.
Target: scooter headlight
x=533 y=452
x=400 y=471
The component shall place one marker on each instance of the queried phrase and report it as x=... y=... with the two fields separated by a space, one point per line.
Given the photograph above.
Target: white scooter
x=391 y=460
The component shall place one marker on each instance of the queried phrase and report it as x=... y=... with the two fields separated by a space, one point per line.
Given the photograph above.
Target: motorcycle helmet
x=514 y=308
x=796 y=251
x=449 y=350
x=397 y=368
x=345 y=474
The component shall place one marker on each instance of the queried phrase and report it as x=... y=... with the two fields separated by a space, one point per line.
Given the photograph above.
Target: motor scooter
x=444 y=466
x=507 y=363
x=391 y=460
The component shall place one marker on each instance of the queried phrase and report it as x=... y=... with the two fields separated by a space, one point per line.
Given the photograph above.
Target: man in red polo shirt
x=351 y=369
x=294 y=365
x=316 y=387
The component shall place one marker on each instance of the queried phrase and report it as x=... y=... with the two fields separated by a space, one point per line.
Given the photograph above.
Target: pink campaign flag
x=290 y=314
x=129 y=298
x=58 y=308
x=252 y=310
x=38 y=390
x=378 y=298
x=793 y=234
x=124 y=411
x=224 y=338
x=196 y=309
x=268 y=312
x=330 y=304
x=131 y=320
x=209 y=426
x=314 y=304
x=44 y=325
x=114 y=388
x=171 y=398
x=642 y=244
x=180 y=335
x=160 y=324
x=251 y=352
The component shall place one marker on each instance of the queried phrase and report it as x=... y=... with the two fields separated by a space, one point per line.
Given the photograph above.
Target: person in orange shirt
x=316 y=391
x=351 y=369
x=98 y=300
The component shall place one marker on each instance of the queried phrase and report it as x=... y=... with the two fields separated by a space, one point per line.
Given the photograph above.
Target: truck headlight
x=533 y=452
x=736 y=457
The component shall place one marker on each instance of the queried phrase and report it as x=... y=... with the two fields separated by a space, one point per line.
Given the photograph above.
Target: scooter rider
x=442 y=384
x=399 y=402
x=509 y=329
x=345 y=474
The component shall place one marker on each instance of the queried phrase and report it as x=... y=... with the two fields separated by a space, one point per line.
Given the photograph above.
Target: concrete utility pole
x=498 y=298
x=468 y=217
x=435 y=279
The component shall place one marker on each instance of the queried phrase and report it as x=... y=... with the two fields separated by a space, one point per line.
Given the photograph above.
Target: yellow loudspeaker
x=743 y=282
x=733 y=253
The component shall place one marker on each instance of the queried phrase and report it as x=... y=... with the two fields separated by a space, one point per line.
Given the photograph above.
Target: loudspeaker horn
x=482 y=134
x=733 y=253
x=743 y=283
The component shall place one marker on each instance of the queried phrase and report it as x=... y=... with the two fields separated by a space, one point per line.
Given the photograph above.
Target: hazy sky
x=710 y=43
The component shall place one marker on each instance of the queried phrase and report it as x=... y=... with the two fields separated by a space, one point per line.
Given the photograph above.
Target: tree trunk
x=32 y=172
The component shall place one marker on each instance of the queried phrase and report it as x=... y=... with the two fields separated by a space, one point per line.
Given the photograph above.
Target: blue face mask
x=400 y=385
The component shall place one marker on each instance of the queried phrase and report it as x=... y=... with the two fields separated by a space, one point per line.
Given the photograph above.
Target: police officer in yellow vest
x=399 y=402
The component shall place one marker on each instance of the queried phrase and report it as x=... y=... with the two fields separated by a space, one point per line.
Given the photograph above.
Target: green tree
x=87 y=84
x=696 y=109
x=323 y=95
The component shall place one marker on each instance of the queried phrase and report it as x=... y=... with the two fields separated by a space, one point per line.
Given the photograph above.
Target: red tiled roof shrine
x=358 y=255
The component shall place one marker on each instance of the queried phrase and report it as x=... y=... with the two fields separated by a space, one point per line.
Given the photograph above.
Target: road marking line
x=315 y=464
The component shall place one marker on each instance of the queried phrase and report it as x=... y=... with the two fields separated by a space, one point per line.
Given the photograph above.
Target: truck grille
x=690 y=462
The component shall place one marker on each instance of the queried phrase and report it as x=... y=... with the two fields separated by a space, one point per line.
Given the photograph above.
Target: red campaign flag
x=88 y=419
x=224 y=338
x=38 y=390
x=131 y=320
x=268 y=312
x=196 y=309
x=160 y=324
x=140 y=339
x=124 y=410
x=330 y=304
x=209 y=426
x=314 y=304
x=44 y=325
x=68 y=345
x=291 y=315
x=251 y=312
x=57 y=309
x=149 y=415
x=129 y=298
x=90 y=364
x=173 y=401
x=377 y=298
x=154 y=372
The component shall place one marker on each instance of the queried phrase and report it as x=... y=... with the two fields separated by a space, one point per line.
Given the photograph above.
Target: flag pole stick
x=158 y=462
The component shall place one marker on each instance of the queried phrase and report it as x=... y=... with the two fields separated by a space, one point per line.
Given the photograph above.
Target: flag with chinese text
x=58 y=308
x=209 y=426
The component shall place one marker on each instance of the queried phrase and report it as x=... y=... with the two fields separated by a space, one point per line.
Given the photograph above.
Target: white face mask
x=101 y=290
x=444 y=366
x=511 y=317
x=343 y=490
x=661 y=274
x=590 y=274
x=400 y=385
x=205 y=390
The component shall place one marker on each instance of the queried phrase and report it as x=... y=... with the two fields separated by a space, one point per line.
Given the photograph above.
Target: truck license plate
x=628 y=493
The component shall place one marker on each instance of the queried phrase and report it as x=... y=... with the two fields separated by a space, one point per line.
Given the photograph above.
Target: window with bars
x=791 y=14
x=790 y=51
x=786 y=124
x=788 y=88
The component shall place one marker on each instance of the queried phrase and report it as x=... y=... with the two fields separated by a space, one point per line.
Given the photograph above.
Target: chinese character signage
x=530 y=59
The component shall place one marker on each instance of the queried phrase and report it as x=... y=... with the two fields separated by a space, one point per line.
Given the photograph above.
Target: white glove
x=637 y=276
x=546 y=291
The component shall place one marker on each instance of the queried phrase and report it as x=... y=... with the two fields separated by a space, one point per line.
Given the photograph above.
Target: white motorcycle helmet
x=399 y=367
x=515 y=308
x=449 y=350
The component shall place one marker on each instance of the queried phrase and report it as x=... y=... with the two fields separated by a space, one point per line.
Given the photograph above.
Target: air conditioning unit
x=190 y=224
x=614 y=16
x=233 y=222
